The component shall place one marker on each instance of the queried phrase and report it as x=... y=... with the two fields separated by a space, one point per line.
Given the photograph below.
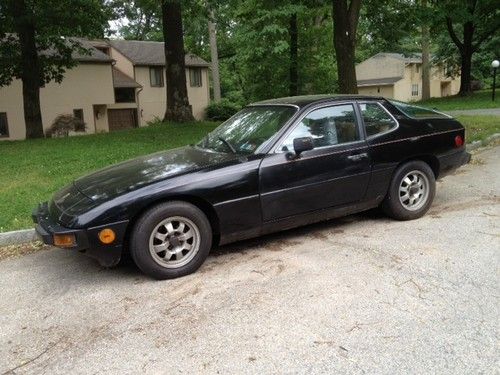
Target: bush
x=221 y=111
x=63 y=125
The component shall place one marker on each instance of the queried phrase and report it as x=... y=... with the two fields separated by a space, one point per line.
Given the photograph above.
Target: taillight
x=459 y=141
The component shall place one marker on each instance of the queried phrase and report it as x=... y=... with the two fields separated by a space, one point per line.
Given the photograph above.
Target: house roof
x=150 y=53
x=378 y=81
x=121 y=80
x=92 y=55
x=415 y=58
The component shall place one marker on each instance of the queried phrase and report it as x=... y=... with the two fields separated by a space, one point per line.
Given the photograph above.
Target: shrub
x=221 y=111
x=63 y=125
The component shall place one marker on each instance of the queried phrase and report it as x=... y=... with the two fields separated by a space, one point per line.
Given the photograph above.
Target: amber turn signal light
x=107 y=236
x=64 y=240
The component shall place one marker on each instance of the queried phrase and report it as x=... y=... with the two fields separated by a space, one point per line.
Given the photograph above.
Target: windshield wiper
x=229 y=145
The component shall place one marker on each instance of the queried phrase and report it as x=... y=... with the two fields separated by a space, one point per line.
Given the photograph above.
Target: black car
x=275 y=165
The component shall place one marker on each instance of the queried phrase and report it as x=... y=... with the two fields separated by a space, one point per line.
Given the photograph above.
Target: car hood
x=133 y=174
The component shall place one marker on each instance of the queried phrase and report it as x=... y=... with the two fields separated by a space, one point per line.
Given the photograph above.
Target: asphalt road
x=362 y=294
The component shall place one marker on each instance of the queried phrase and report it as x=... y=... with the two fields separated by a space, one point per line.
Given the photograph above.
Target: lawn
x=479 y=100
x=31 y=171
x=478 y=128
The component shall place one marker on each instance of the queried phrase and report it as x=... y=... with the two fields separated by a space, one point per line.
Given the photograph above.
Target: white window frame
x=414 y=89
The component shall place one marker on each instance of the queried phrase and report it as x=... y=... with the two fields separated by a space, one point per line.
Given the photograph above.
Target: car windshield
x=417 y=112
x=248 y=129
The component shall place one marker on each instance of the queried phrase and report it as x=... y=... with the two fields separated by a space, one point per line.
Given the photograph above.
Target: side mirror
x=302 y=144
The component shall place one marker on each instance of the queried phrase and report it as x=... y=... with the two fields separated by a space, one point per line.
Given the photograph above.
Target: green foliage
x=54 y=22
x=32 y=170
x=143 y=16
x=222 y=110
x=478 y=128
x=479 y=100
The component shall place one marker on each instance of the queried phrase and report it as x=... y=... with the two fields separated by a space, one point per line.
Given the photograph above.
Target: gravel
x=363 y=294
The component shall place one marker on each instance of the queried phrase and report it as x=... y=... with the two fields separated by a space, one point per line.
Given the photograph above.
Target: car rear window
x=417 y=112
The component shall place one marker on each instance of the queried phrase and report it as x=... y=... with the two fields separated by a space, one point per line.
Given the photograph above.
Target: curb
x=29 y=235
x=477 y=144
x=18 y=237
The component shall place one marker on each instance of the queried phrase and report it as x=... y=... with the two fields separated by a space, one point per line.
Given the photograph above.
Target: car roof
x=306 y=100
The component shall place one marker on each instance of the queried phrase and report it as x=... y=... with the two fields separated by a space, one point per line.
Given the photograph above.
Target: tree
x=294 y=52
x=345 y=24
x=143 y=19
x=214 y=55
x=33 y=46
x=178 y=107
x=478 y=22
x=426 y=68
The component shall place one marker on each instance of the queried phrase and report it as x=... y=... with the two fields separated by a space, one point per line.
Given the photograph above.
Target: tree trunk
x=345 y=22
x=426 y=77
x=465 y=71
x=30 y=68
x=294 y=75
x=178 y=108
x=214 y=56
x=466 y=60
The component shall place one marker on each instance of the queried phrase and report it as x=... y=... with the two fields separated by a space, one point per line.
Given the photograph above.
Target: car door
x=335 y=172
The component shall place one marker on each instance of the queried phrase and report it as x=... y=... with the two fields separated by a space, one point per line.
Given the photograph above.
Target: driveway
x=362 y=294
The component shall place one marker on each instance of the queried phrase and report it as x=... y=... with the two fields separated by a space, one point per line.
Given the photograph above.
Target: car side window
x=326 y=126
x=377 y=120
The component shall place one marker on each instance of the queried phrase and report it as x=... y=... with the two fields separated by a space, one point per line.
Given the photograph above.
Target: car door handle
x=358 y=157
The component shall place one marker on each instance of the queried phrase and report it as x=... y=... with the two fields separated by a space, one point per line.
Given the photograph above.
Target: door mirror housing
x=302 y=144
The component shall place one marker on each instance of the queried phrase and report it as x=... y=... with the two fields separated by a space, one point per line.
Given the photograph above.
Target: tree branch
x=454 y=37
x=488 y=34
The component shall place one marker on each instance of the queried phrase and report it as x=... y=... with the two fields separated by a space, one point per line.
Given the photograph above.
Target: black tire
x=142 y=232
x=392 y=204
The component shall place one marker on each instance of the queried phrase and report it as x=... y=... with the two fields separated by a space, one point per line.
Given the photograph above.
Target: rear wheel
x=411 y=192
x=171 y=240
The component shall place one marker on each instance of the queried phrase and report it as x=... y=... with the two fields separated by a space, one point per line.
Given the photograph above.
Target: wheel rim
x=414 y=190
x=174 y=242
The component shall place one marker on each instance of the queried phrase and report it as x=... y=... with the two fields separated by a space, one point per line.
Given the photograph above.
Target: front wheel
x=411 y=191
x=171 y=240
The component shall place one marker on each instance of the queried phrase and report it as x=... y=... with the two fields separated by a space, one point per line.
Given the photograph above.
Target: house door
x=119 y=119
x=445 y=88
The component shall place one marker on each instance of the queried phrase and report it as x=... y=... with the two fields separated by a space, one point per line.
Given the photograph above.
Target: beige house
x=395 y=76
x=120 y=85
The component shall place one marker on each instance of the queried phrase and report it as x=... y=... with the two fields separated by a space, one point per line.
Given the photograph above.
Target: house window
x=156 y=76
x=125 y=95
x=78 y=113
x=417 y=68
x=414 y=89
x=4 y=126
x=195 y=77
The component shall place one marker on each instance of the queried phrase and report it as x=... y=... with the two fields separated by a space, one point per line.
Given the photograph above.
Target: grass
x=478 y=128
x=31 y=171
x=479 y=100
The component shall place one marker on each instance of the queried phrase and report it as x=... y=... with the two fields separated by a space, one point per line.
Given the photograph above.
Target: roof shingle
x=150 y=53
x=121 y=80
x=378 y=81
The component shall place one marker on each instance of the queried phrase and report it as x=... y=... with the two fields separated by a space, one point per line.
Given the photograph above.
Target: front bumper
x=87 y=240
